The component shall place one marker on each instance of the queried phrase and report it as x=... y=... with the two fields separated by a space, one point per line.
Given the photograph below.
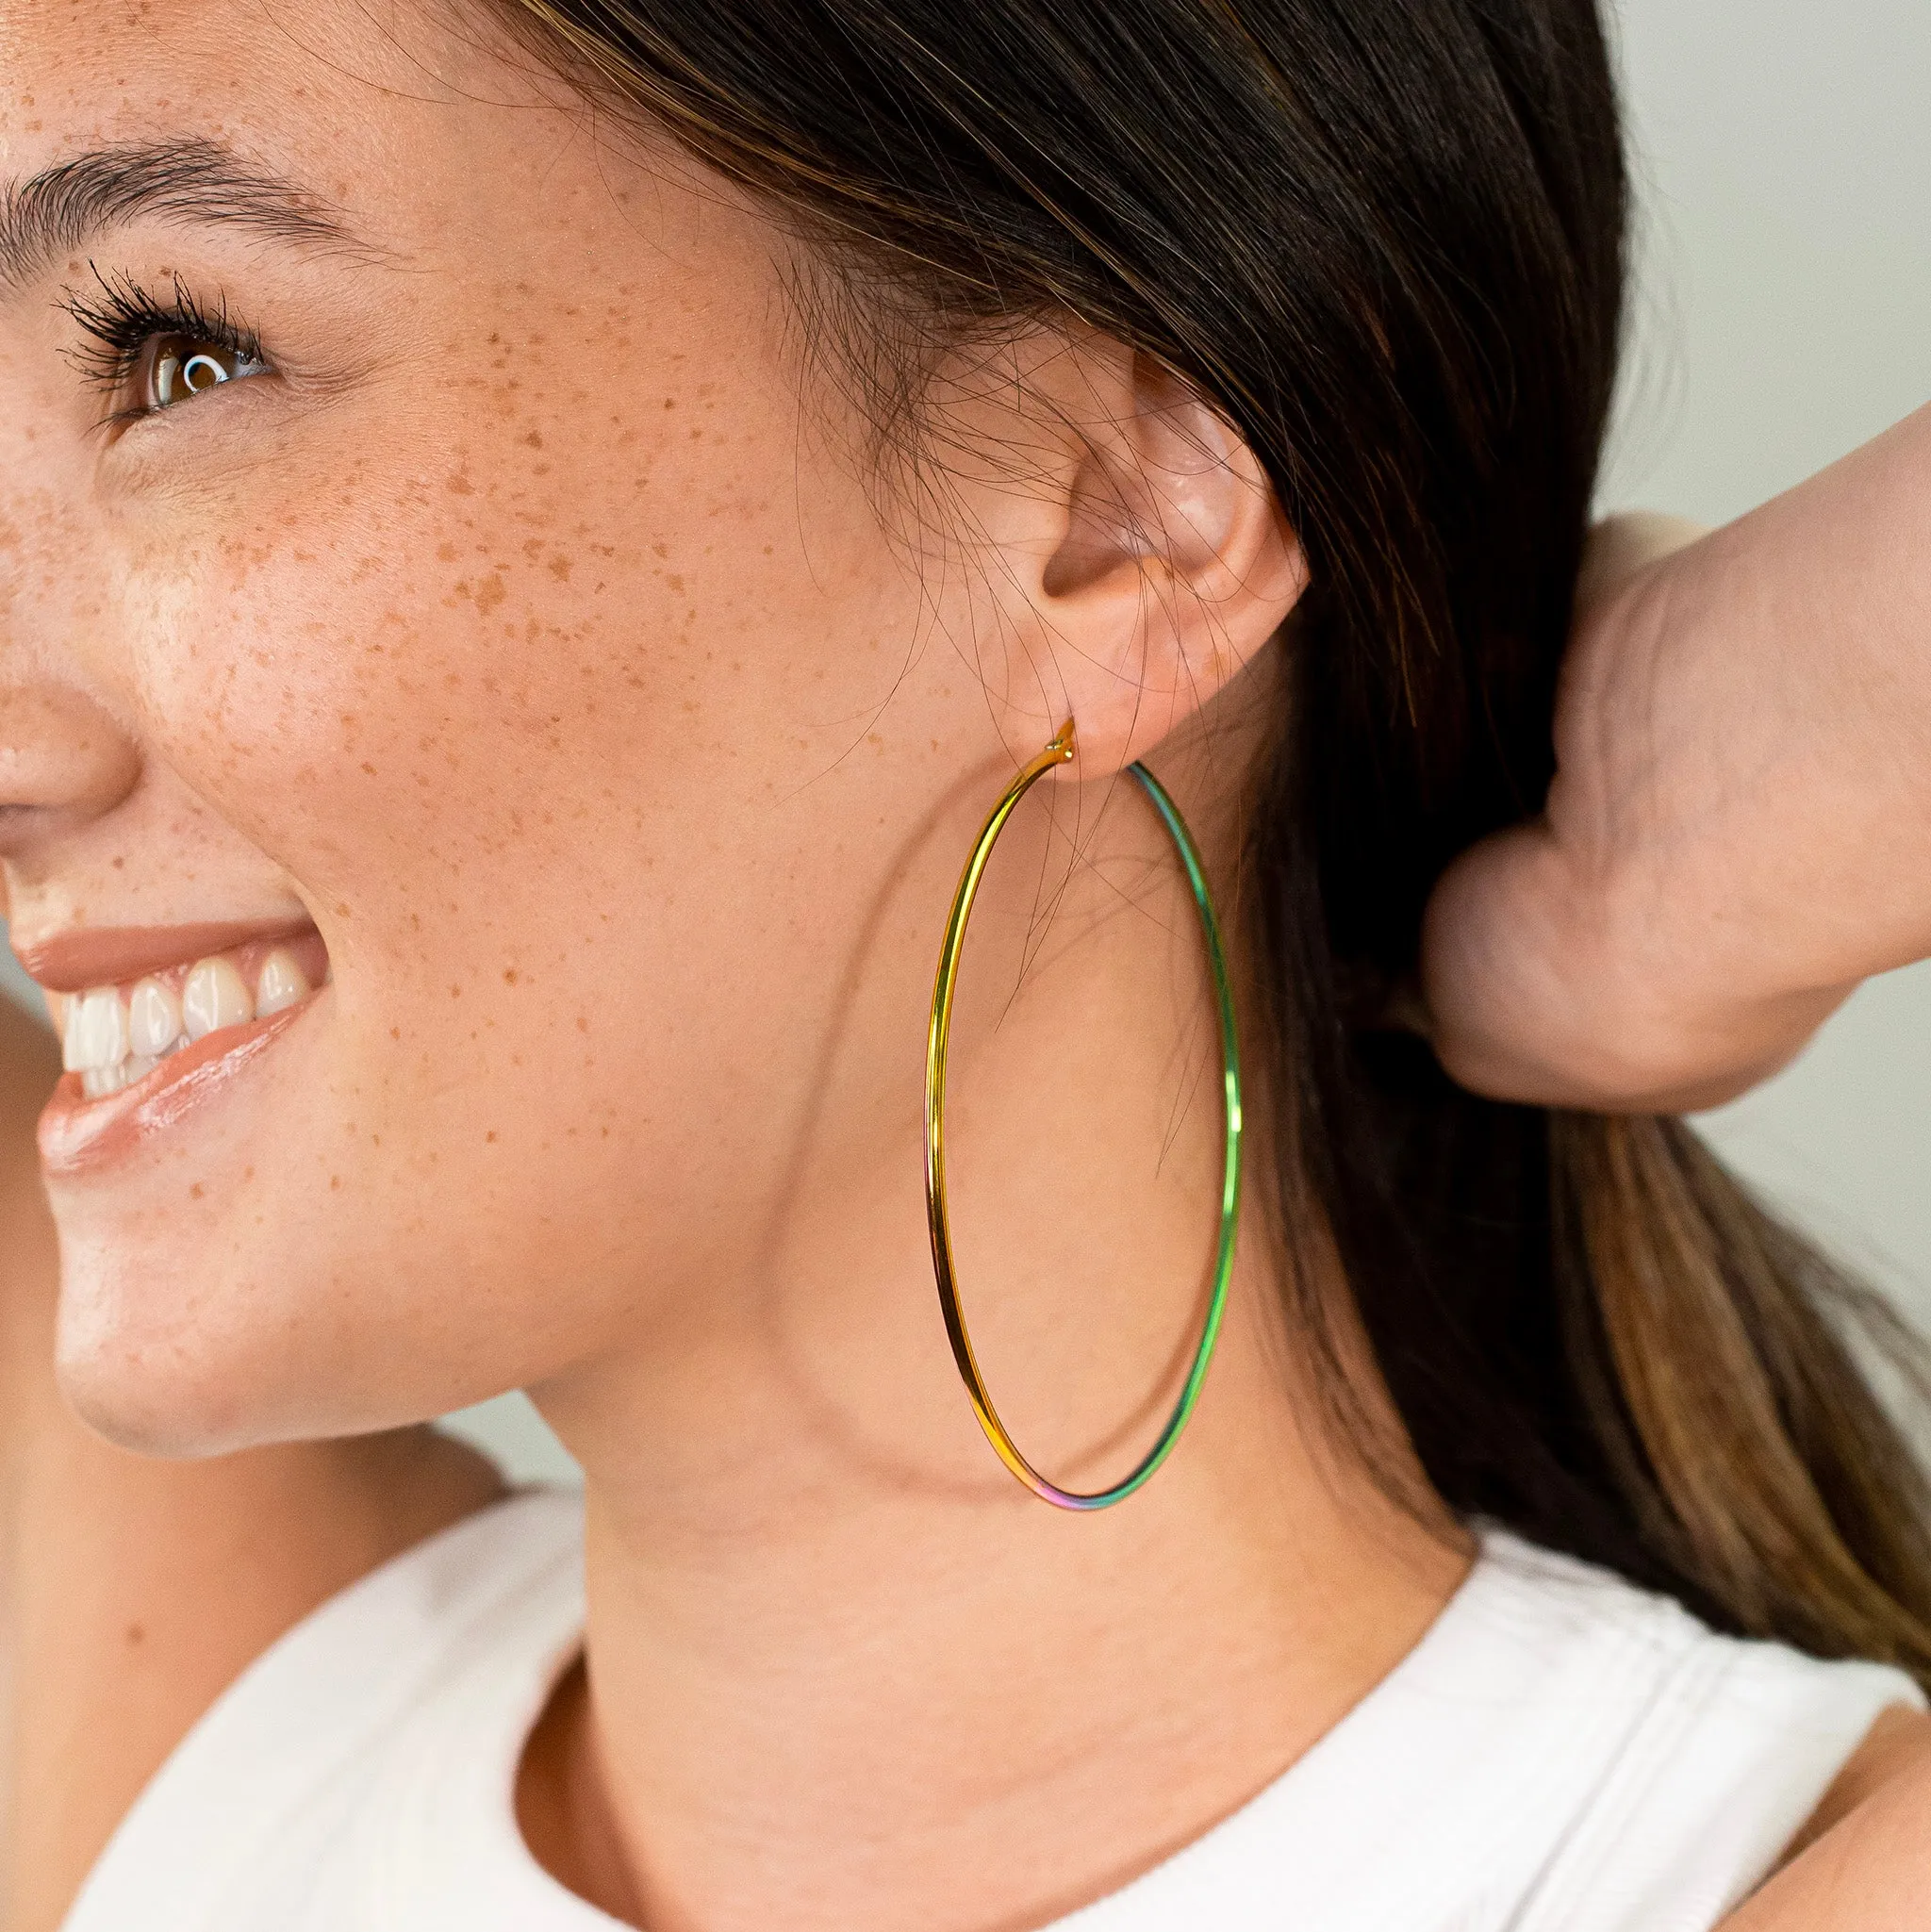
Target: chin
x=153 y=1400
x=167 y=1358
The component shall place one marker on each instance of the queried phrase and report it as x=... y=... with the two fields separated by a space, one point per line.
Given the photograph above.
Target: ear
x=1166 y=564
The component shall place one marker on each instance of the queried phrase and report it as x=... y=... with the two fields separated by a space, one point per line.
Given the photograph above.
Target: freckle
x=509 y=977
x=456 y=992
x=534 y=440
x=491 y=1136
x=136 y=1634
x=369 y=768
x=560 y=568
x=196 y=1192
x=395 y=1032
x=583 y=1025
x=119 y=864
x=460 y=486
x=335 y=1183
x=341 y=912
x=446 y=551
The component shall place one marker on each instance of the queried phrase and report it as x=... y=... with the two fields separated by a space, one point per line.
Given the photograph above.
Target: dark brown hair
x=1385 y=238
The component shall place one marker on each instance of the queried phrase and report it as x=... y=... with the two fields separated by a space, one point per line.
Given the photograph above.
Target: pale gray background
x=1783 y=149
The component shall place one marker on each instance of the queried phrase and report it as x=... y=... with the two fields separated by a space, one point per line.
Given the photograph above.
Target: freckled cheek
x=371 y=720
x=487 y=693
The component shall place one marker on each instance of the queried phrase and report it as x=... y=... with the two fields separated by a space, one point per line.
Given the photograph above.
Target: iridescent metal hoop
x=1059 y=752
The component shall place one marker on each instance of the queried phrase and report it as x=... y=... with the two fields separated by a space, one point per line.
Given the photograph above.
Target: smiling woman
x=534 y=535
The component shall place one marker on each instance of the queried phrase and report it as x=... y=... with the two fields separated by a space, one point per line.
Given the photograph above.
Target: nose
x=63 y=762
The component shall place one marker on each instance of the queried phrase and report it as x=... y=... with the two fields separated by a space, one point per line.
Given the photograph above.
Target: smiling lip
x=112 y=955
x=78 y=1134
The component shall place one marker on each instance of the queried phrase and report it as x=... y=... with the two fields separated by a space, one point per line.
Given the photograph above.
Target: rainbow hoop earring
x=1059 y=752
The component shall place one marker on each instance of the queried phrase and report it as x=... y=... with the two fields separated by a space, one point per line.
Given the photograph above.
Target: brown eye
x=172 y=368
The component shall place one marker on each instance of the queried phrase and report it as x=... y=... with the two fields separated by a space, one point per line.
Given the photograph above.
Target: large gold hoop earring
x=1059 y=752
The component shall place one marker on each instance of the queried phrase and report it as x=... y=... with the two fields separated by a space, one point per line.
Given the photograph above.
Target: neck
x=840 y=1704
x=843 y=1670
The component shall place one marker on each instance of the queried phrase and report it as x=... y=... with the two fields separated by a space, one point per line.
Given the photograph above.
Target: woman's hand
x=1740 y=828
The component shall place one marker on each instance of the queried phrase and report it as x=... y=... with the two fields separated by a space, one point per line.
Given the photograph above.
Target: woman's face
x=484 y=771
x=502 y=641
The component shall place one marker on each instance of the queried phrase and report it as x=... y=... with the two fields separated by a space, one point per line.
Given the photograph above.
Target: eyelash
x=124 y=318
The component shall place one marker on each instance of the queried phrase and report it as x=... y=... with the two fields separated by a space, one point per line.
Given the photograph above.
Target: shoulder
x=1865 y=1857
x=1894 y=1755
x=375 y=1727
x=1562 y=1751
x=1599 y=1638
x=1697 y=1759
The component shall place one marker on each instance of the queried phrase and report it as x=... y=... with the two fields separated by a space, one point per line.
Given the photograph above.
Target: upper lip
x=79 y=961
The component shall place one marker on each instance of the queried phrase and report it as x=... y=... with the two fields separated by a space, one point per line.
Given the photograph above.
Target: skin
x=1741 y=821
x=537 y=630
x=623 y=754
x=112 y=1639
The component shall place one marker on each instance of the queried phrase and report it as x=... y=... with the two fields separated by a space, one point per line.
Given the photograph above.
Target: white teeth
x=281 y=985
x=214 y=997
x=97 y=1082
x=96 y=1031
x=111 y=1041
x=153 y=1019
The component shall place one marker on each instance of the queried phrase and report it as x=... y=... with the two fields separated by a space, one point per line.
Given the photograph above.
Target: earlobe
x=1175 y=567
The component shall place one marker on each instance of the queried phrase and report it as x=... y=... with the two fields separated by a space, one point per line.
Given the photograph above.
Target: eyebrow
x=184 y=183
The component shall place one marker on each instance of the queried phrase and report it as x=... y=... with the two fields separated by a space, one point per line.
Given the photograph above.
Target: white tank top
x=1560 y=1753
